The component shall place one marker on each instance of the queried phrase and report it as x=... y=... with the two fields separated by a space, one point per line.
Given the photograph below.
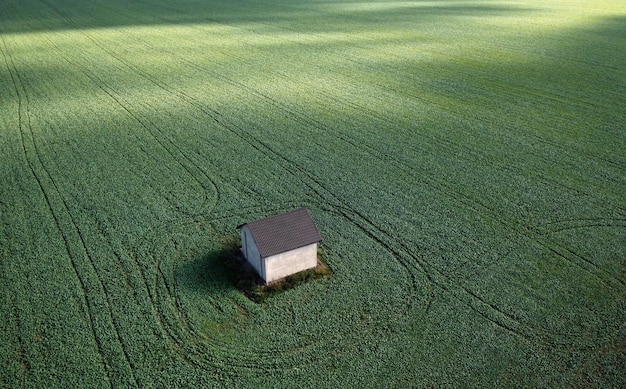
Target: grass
x=464 y=162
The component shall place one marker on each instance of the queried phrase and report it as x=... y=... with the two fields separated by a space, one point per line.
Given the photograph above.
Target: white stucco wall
x=250 y=251
x=281 y=265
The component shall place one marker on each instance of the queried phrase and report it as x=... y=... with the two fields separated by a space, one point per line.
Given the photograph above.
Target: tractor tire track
x=609 y=280
x=452 y=146
x=545 y=229
x=303 y=117
x=177 y=335
x=23 y=123
x=166 y=142
x=29 y=146
x=182 y=336
x=184 y=324
x=177 y=154
x=462 y=294
x=150 y=127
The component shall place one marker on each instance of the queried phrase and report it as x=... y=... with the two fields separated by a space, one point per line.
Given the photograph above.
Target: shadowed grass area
x=53 y=15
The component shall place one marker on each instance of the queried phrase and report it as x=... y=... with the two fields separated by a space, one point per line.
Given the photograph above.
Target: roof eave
x=263 y=255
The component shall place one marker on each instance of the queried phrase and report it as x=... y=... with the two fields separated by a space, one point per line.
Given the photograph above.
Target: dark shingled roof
x=287 y=231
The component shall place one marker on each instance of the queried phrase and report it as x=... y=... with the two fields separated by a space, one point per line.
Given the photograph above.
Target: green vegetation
x=465 y=162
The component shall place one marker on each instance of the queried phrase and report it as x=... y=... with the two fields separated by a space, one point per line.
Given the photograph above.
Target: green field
x=465 y=162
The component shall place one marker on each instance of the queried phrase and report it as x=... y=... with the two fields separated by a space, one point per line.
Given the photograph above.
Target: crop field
x=464 y=161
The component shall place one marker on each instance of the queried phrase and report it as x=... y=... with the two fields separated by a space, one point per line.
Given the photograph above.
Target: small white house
x=281 y=245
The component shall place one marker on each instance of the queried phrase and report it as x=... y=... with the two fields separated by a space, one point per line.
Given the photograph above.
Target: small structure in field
x=281 y=245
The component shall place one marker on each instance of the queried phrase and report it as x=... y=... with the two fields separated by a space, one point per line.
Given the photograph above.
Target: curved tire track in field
x=158 y=290
x=572 y=224
x=544 y=234
x=479 y=304
x=195 y=346
x=541 y=235
x=61 y=218
x=437 y=278
x=305 y=118
x=158 y=268
x=181 y=158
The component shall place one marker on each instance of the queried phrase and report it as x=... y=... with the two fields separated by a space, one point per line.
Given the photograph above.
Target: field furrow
x=82 y=262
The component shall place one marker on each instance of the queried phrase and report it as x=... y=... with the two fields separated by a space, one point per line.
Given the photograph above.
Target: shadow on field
x=52 y=15
x=208 y=273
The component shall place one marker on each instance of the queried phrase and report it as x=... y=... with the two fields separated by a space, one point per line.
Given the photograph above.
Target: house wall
x=250 y=251
x=281 y=265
